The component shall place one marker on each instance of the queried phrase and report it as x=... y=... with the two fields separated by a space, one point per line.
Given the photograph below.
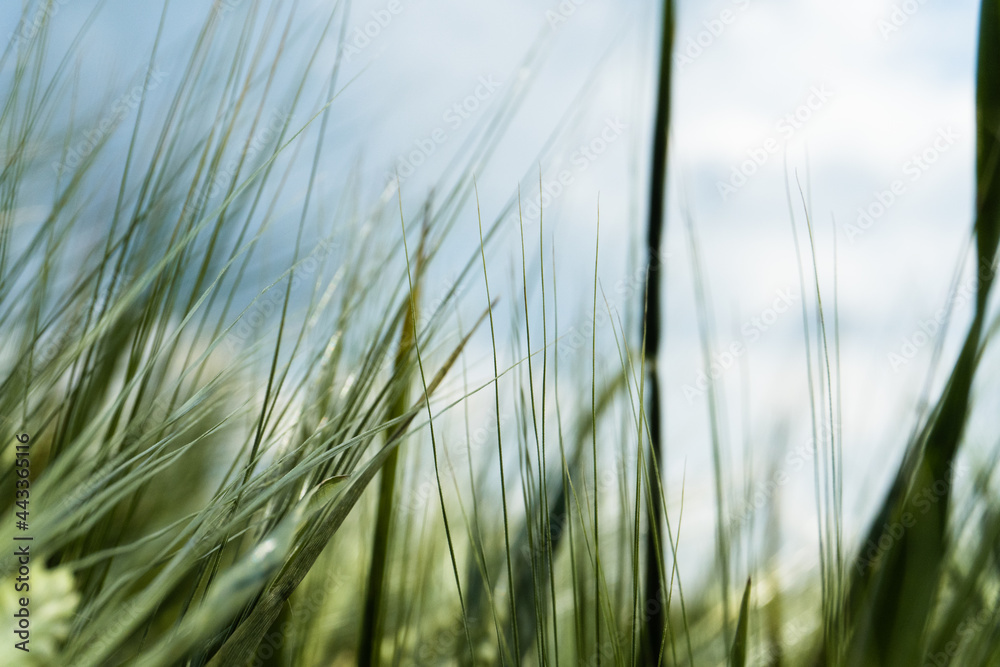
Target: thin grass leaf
x=738 y=653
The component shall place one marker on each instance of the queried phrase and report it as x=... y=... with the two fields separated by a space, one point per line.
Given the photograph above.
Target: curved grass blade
x=738 y=654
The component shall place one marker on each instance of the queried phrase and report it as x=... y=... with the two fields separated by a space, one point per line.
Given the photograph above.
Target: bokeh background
x=867 y=105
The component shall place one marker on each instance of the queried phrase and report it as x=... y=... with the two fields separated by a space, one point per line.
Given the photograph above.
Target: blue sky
x=884 y=97
x=884 y=92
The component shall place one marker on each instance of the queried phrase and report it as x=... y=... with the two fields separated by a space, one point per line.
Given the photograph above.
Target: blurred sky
x=884 y=94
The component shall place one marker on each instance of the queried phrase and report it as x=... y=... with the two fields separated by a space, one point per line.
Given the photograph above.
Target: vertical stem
x=373 y=615
x=655 y=625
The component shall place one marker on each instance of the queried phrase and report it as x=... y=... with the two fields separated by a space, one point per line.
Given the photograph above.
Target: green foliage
x=208 y=417
x=738 y=654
